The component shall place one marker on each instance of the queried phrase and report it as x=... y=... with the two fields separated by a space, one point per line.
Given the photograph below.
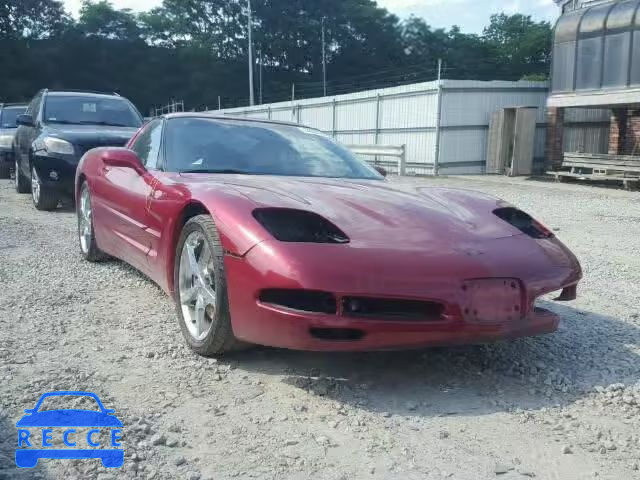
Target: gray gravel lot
x=564 y=406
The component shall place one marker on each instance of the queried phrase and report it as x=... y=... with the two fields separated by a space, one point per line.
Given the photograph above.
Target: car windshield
x=233 y=146
x=69 y=402
x=89 y=110
x=8 y=116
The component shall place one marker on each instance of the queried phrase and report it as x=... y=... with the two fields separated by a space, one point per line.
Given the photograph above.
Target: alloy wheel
x=35 y=186
x=85 y=220
x=197 y=286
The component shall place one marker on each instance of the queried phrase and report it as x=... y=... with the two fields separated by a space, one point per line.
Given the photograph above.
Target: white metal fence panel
x=318 y=116
x=409 y=112
x=360 y=115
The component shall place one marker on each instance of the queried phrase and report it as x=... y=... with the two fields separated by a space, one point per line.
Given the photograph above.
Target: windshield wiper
x=63 y=122
x=105 y=124
x=225 y=170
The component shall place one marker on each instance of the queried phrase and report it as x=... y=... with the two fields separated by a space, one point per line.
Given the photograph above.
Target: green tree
x=102 y=20
x=521 y=43
x=32 y=19
x=216 y=25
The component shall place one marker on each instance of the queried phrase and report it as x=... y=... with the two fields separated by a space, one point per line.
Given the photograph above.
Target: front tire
x=201 y=289
x=44 y=198
x=22 y=183
x=86 y=233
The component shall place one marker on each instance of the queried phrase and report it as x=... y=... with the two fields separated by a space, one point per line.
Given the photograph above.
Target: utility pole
x=439 y=69
x=251 y=95
x=324 y=61
x=219 y=103
x=260 y=55
x=293 y=92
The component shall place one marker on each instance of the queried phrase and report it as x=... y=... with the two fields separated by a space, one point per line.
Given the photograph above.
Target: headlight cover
x=57 y=145
x=523 y=222
x=301 y=226
x=6 y=141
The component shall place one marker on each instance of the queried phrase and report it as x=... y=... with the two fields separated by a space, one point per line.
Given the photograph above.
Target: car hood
x=69 y=418
x=95 y=135
x=373 y=212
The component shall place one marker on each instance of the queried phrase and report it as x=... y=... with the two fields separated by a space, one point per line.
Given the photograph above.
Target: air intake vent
x=300 y=300
x=392 y=309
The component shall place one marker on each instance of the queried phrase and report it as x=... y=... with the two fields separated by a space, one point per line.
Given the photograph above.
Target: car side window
x=147 y=145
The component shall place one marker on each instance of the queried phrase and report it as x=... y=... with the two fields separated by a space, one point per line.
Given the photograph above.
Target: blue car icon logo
x=37 y=429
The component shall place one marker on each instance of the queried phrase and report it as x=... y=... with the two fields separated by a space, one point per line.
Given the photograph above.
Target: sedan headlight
x=290 y=225
x=57 y=145
x=6 y=141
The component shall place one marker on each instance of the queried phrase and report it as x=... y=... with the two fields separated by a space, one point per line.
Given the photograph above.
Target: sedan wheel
x=22 y=183
x=43 y=197
x=201 y=289
x=35 y=186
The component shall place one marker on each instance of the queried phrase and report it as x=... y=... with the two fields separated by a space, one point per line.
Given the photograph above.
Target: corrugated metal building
x=443 y=124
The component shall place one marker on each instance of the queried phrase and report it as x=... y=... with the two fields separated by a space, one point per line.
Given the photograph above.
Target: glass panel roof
x=594 y=19
x=567 y=27
x=621 y=15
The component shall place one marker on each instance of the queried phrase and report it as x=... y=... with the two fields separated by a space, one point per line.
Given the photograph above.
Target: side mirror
x=24 y=119
x=381 y=170
x=123 y=157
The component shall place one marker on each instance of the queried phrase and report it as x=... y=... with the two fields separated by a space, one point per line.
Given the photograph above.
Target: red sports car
x=273 y=234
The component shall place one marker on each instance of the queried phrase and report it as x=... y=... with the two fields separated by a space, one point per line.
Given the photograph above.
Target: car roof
x=78 y=93
x=217 y=116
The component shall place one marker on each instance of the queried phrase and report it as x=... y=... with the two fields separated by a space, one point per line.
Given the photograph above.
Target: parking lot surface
x=564 y=406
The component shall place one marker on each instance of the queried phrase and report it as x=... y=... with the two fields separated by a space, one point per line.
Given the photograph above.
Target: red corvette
x=271 y=233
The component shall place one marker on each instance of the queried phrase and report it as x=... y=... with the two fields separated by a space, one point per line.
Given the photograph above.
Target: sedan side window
x=147 y=145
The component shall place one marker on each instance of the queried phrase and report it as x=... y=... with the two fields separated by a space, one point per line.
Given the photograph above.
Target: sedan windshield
x=79 y=110
x=231 y=146
x=8 y=116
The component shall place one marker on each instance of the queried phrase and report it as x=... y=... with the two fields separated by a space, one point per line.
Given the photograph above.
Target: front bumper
x=393 y=274
x=57 y=172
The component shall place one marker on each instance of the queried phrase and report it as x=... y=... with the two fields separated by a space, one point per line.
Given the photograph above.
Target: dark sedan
x=57 y=129
x=8 y=114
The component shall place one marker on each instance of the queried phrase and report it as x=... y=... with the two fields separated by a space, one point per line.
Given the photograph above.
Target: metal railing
x=397 y=151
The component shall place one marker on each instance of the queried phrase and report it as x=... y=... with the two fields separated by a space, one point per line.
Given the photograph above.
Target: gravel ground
x=564 y=406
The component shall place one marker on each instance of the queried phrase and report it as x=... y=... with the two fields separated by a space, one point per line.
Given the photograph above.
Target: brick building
x=596 y=64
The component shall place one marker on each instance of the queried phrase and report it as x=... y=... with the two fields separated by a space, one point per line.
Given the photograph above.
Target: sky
x=471 y=15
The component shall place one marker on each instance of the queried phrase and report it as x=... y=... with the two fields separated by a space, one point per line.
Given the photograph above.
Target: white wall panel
x=463 y=145
x=409 y=112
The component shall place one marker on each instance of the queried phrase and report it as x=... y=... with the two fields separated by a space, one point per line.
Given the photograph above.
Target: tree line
x=197 y=50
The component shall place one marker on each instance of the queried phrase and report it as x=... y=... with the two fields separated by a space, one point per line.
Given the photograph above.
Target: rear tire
x=44 y=198
x=22 y=183
x=86 y=234
x=202 y=234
